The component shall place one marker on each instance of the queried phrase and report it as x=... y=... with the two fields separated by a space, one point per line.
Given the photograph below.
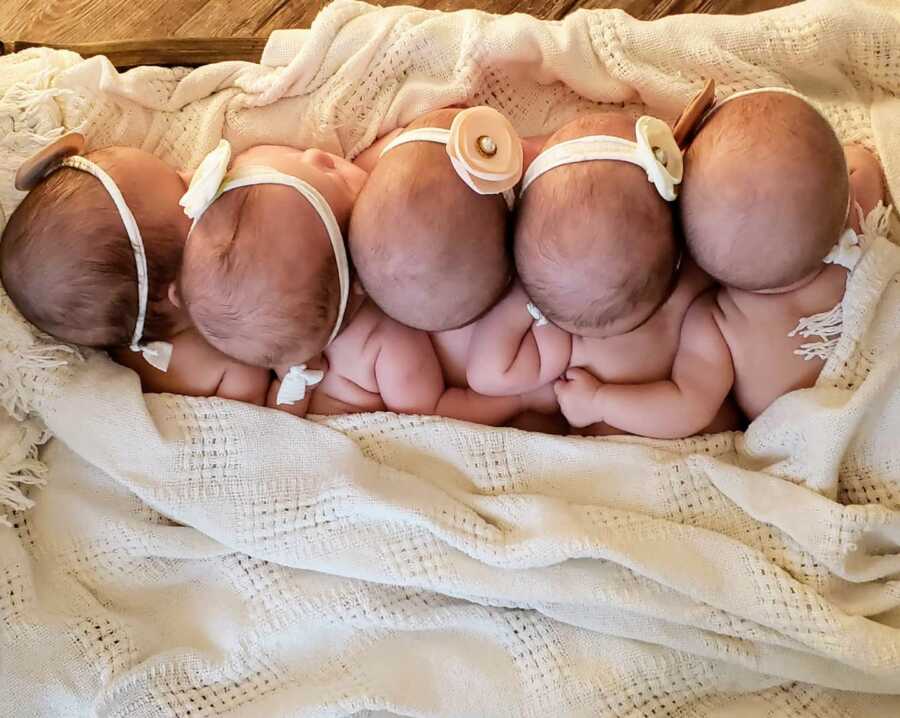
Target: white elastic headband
x=211 y=181
x=248 y=176
x=441 y=136
x=157 y=354
x=656 y=151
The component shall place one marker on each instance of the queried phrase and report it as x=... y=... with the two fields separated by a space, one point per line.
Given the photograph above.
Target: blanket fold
x=204 y=557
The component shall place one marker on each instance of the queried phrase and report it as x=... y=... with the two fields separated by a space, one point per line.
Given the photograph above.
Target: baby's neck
x=796 y=286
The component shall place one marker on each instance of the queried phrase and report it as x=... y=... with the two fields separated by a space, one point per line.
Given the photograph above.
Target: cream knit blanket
x=193 y=557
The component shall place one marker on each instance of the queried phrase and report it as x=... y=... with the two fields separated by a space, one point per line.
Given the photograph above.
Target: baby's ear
x=174 y=295
x=48 y=159
x=689 y=120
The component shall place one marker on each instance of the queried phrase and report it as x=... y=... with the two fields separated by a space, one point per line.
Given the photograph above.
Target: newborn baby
x=765 y=204
x=597 y=253
x=265 y=275
x=429 y=236
x=90 y=255
x=378 y=364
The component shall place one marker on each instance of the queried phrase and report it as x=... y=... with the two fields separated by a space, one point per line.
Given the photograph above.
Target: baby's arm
x=197 y=369
x=866 y=181
x=510 y=354
x=410 y=381
x=702 y=377
x=240 y=382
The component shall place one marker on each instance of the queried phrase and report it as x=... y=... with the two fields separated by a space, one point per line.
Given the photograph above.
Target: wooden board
x=165 y=32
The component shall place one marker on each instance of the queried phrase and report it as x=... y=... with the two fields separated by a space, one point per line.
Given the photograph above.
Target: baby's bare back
x=647 y=353
x=757 y=327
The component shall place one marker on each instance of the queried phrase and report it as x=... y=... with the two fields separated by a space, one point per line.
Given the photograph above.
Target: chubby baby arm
x=411 y=381
x=197 y=369
x=510 y=354
x=240 y=382
x=702 y=377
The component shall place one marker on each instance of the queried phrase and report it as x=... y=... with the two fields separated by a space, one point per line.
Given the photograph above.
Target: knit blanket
x=171 y=556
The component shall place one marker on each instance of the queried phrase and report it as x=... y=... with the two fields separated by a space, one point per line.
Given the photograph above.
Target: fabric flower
x=485 y=150
x=207 y=179
x=660 y=154
x=293 y=386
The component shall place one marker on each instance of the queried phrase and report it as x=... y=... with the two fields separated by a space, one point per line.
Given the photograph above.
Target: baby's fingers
x=559 y=387
x=576 y=374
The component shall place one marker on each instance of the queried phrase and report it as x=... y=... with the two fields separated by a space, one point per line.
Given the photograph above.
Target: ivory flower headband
x=211 y=180
x=66 y=152
x=484 y=149
x=655 y=150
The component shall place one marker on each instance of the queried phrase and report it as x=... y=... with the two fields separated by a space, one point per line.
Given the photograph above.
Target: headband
x=211 y=181
x=156 y=354
x=65 y=153
x=483 y=146
x=655 y=151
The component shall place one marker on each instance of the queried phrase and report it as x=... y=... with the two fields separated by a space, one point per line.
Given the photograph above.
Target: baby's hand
x=579 y=399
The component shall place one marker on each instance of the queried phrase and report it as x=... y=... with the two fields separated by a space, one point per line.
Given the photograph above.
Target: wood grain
x=162 y=31
x=178 y=51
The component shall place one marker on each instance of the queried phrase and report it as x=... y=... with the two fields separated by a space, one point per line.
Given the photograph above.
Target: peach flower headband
x=484 y=149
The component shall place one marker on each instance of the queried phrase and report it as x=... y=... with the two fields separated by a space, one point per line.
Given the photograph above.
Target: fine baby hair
x=428 y=235
x=89 y=255
x=595 y=243
x=265 y=275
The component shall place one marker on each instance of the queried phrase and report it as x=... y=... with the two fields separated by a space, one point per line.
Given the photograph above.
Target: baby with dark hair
x=90 y=256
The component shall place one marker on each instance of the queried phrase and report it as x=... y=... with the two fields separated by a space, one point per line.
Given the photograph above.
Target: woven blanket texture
x=171 y=556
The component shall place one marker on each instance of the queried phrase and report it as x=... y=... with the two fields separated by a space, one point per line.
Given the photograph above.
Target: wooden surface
x=82 y=21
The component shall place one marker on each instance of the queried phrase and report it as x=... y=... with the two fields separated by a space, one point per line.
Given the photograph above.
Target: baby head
x=430 y=251
x=595 y=244
x=765 y=193
x=66 y=259
x=261 y=277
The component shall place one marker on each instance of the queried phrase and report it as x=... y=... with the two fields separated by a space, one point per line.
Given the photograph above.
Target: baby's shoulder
x=370 y=328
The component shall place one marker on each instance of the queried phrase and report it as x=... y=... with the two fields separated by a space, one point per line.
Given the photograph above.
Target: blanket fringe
x=25 y=352
x=20 y=467
x=876 y=224
x=828 y=326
